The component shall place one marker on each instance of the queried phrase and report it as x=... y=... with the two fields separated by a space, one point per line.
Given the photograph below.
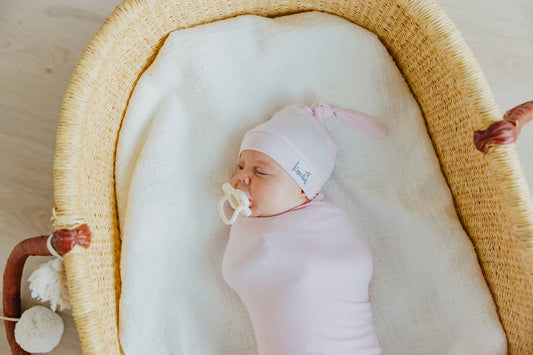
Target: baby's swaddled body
x=303 y=276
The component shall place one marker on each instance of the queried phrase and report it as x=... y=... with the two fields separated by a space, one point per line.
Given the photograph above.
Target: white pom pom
x=39 y=330
x=49 y=283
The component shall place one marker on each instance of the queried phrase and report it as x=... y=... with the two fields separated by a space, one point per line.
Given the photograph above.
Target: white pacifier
x=238 y=201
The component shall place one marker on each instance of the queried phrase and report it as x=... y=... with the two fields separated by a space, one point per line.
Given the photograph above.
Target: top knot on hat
x=355 y=119
x=296 y=138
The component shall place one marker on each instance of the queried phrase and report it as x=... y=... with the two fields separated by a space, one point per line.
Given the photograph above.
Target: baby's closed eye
x=258 y=171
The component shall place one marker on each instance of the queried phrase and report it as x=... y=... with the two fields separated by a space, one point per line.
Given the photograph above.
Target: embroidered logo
x=301 y=172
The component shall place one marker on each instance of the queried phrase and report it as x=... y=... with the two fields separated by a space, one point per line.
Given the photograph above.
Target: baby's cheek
x=260 y=202
x=276 y=201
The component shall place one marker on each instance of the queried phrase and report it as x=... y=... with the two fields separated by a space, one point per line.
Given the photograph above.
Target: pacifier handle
x=237 y=200
x=223 y=215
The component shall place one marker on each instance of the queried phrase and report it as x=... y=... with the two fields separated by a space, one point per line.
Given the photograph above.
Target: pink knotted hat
x=296 y=138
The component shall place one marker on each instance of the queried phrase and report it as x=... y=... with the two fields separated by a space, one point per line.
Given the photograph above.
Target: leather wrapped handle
x=63 y=240
x=12 y=278
x=507 y=130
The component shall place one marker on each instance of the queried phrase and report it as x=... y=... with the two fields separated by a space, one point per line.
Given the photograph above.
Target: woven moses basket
x=489 y=190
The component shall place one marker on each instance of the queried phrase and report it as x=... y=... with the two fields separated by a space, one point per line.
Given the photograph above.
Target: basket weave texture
x=490 y=192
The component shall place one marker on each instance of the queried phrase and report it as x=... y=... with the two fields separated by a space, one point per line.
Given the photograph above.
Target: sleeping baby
x=296 y=261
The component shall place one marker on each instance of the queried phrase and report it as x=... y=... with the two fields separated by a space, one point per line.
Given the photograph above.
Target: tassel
x=49 y=282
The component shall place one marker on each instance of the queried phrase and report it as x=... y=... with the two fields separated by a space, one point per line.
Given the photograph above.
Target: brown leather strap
x=63 y=240
x=507 y=130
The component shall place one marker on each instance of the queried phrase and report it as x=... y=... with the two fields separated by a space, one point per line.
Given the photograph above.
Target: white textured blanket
x=186 y=117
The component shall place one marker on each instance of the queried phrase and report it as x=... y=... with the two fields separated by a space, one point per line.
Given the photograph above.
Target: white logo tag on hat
x=300 y=172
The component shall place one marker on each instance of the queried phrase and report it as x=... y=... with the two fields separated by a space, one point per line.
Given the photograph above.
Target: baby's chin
x=256 y=212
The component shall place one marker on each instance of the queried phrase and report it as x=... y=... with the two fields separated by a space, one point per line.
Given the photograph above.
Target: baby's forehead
x=257 y=157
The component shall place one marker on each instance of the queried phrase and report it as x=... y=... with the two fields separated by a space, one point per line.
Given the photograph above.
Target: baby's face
x=270 y=189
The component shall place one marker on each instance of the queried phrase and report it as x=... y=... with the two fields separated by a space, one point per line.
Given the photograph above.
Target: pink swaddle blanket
x=303 y=276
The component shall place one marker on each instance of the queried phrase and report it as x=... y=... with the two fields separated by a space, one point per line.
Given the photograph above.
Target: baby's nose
x=240 y=177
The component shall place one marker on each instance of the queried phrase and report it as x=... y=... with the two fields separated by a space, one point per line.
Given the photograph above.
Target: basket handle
x=12 y=279
x=63 y=240
x=507 y=130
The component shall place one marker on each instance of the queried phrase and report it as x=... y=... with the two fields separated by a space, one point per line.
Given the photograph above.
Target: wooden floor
x=41 y=41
